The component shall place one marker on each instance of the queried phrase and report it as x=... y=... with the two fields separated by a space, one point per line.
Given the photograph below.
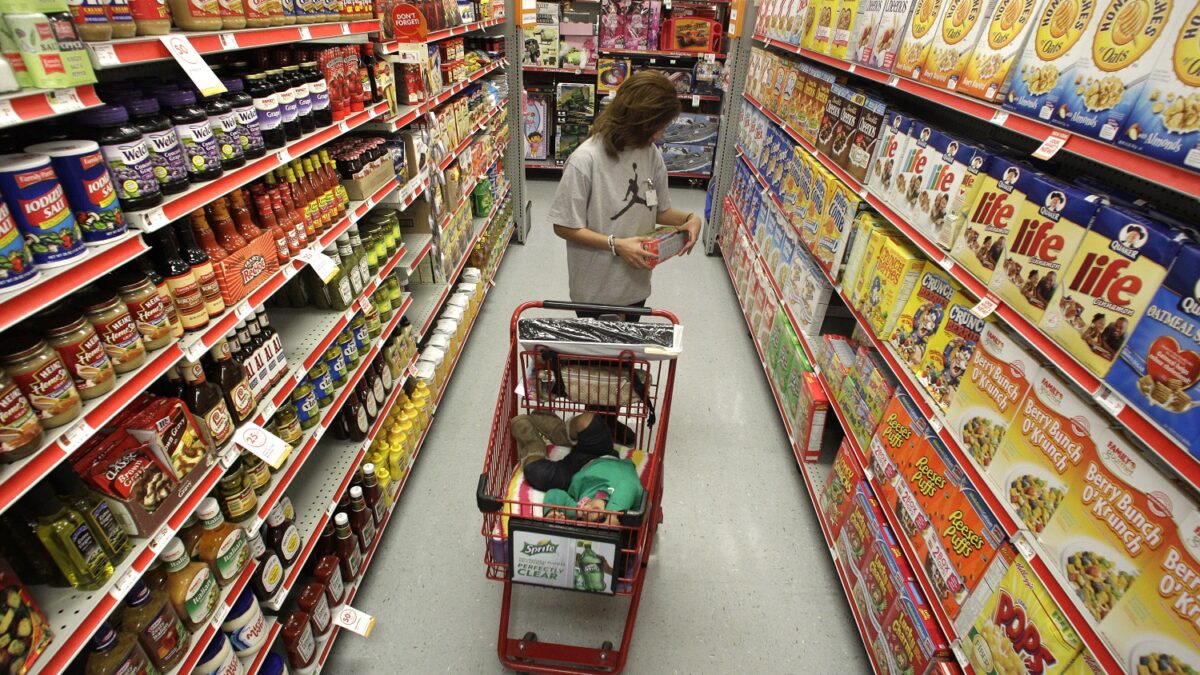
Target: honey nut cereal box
x=890 y=29
x=900 y=430
x=862 y=29
x=843 y=482
x=1159 y=368
x=912 y=635
x=914 y=49
x=859 y=530
x=950 y=350
x=997 y=378
x=1113 y=63
x=989 y=218
x=1008 y=28
x=1165 y=122
x=923 y=315
x=892 y=280
x=1047 y=57
x=949 y=160
x=843 y=27
x=889 y=149
x=1108 y=285
x=1049 y=226
x=834 y=232
x=962 y=25
x=823 y=185
x=1021 y=629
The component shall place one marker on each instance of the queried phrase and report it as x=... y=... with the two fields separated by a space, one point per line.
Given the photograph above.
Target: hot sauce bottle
x=242 y=217
x=205 y=238
x=286 y=244
x=185 y=290
x=228 y=236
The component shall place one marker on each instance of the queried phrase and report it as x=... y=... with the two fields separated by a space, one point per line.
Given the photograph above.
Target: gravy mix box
x=863 y=30
x=844 y=19
x=895 y=274
x=949 y=351
x=834 y=233
x=1159 y=367
x=841 y=485
x=914 y=49
x=889 y=150
x=1048 y=57
x=1005 y=33
x=990 y=218
x=1114 y=62
x=963 y=24
x=923 y=315
x=1049 y=227
x=900 y=430
x=1108 y=286
x=890 y=29
x=998 y=376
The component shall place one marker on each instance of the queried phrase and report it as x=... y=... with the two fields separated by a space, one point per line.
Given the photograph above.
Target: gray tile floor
x=740 y=581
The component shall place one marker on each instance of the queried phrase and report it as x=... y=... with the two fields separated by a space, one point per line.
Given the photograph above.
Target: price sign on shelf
x=1109 y=400
x=262 y=444
x=305 y=33
x=322 y=264
x=985 y=306
x=200 y=73
x=64 y=101
x=156 y=218
x=104 y=54
x=8 y=116
x=243 y=309
x=75 y=435
x=196 y=349
x=1000 y=117
x=124 y=583
x=228 y=40
x=1053 y=143
x=354 y=620
x=159 y=541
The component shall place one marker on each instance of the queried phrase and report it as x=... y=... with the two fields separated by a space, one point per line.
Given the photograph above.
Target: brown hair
x=644 y=105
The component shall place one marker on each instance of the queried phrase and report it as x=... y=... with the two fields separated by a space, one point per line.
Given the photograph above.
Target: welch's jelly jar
x=37 y=203
x=90 y=192
x=127 y=155
x=16 y=264
x=170 y=167
x=195 y=134
x=247 y=117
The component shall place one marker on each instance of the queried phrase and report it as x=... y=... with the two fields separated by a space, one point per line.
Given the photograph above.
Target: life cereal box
x=998 y=376
x=947 y=159
x=1113 y=63
x=843 y=27
x=1165 y=123
x=962 y=25
x=1159 y=368
x=949 y=351
x=834 y=232
x=910 y=58
x=1108 y=285
x=923 y=315
x=1050 y=225
x=889 y=149
x=1020 y=629
x=890 y=28
x=913 y=169
x=1047 y=57
x=843 y=482
x=989 y=218
x=972 y=178
x=901 y=428
x=892 y=280
x=1007 y=29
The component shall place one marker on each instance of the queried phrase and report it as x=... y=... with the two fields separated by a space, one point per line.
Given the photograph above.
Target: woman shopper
x=614 y=190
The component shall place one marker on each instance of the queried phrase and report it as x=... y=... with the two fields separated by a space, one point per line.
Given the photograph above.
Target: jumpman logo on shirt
x=631 y=194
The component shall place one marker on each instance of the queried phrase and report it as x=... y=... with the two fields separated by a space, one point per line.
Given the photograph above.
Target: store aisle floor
x=740 y=580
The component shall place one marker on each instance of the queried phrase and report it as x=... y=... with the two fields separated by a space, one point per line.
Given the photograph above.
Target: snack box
x=914 y=49
x=843 y=483
x=1108 y=285
x=949 y=351
x=894 y=274
x=923 y=315
x=843 y=27
x=889 y=151
x=900 y=430
x=1006 y=31
x=862 y=29
x=890 y=28
x=988 y=218
x=1049 y=56
x=863 y=524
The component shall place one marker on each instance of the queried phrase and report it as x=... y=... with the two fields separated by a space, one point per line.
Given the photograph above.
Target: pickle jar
x=287 y=423
x=371 y=317
x=322 y=384
x=116 y=328
x=336 y=361
x=20 y=431
x=307 y=408
x=349 y=349
x=236 y=493
x=258 y=472
x=43 y=378
x=81 y=351
x=146 y=306
x=382 y=304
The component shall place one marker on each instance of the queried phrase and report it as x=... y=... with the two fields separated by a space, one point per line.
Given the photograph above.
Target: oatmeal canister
x=84 y=176
x=43 y=378
x=16 y=264
x=20 y=432
x=38 y=204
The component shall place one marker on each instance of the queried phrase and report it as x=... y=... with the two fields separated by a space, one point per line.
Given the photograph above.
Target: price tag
x=196 y=349
x=851 y=69
x=243 y=309
x=1109 y=400
x=1021 y=540
x=268 y=409
x=653 y=61
x=710 y=57
x=985 y=306
x=75 y=435
x=1053 y=143
x=159 y=541
x=833 y=553
x=343 y=126
x=936 y=425
x=228 y=40
x=353 y=620
x=959 y=655
x=695 y=100
x=322 y=264
x=8 y=116
x=947 y=263
x=289 y=271
x=298 y=375
x=893 y=80
x=200 y=73
x=283 y=156
x=1000 y=117
x=124 y=583
x=254 y=526
x=64 y=101
x=262 y=444
x=156 y=218
x=345 y=29
x=229 y=457
x=305 y=33
x=104 y=54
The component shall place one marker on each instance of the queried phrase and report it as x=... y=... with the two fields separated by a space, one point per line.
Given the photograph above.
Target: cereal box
x=834 y=233
x=843 y=27
x=947 y=161
x=913 y=638
x=1159 y=368
x=970 y=181
x=998 y=376
x=1021 y=629
x=889 y=31
x=1005 y=33
x=889 y=150
x=926 y=16
x=1165 y=122
x=822 y=35
x=861 y=265
x=863 y=228
x=884 y=577
x=949 y=351
x=823 y=82
x=1047 y=57
x=923 y=315
x=808 y=293
x=818 y=205
x=961 y=27
x=900 y=430
x=1112 y=65
x=1049 y=227
x=863 y=29
x=837 y=121
x=859 y=530
x=843 y=482
x=989 y=217
x=1108 y=285
x=918 y=162
x=852 y=115
x=892 y=280
x=865 y=138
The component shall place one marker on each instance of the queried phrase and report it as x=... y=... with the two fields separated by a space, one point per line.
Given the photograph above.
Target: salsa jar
x=20 y=431
x=116 y=328
x=44 y=379
x=146 y=307
x=81 y=350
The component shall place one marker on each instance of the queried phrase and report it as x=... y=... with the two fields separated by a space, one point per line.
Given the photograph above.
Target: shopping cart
x=626 y=372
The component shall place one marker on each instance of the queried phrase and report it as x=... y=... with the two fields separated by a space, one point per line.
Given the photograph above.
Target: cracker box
x=915 y=643
x=914 y=49
x=862 y=30
x=949 y=351
x=923 y=316
x=1004 y=36
x=895 y=274
x=890 y=29
x=889 y=152
x=963 y=24
x=989 y=218
x=1020 y=629
x=1049 y=227
x=842 y=484
x=1048 y=57
x=843 y=27
x=1159 y=368
x=900 y=430
x=834 y=233
x=912 y=170
x=1108 y=285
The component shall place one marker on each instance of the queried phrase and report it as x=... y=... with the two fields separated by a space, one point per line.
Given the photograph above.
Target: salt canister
x=16 y=264
x=39 y=206
x=84 y=176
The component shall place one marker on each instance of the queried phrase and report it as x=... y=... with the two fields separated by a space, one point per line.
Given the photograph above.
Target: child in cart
x=591 y=478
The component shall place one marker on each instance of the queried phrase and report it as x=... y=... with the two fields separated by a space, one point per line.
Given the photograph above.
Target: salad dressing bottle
x=190 y=586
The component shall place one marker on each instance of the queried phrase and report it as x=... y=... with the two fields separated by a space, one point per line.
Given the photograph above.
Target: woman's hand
x=631 y=251
x=692 y=227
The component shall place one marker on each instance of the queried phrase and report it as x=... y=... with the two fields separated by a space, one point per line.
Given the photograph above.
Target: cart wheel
x=605 y=648
x=523 y=643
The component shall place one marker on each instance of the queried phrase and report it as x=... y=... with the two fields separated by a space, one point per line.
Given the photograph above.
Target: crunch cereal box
x=890 y=27
x=923 y=315
x=910 y=59
x=1005 y=34
x=949 y=351
x=963 y=22
x=1045 y=61
x=986 y=228
x=1108 y=285
x=894 y=275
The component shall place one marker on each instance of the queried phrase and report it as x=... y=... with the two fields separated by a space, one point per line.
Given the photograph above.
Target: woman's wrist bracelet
x=612 y=244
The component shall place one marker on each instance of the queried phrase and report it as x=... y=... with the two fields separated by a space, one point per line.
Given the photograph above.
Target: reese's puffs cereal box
x=840 y=486
x=900 y=430
x=1008 y=27
x=926 y=15
x=1108 y=285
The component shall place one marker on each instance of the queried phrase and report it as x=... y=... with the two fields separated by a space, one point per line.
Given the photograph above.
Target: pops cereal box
x=1159 y=367
x=889 y=149
x=914 y=49
x=998 y=376
x=889 y=30
x=843 y=27
x=1049 y=226
x=923 y=315
x=962 y=25
x=1108 y=285
x=892 y=280
x=1008 y=27
x=989 y=218
x=1048 y=57
x=949 y=351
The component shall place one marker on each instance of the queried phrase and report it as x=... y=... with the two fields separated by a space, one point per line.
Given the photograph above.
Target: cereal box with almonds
x=949 y=351
x=889 y=149
x=1159 y=367
x=1048 y=56
x=914 y=49
x=962 y=25
x=889 y=30
x=923 y=315
x=989 y=218
x=1108 y=285
x=1007 y=29
x=1165 y=122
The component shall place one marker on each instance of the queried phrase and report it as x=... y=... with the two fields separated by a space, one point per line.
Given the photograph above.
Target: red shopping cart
x=626 y=372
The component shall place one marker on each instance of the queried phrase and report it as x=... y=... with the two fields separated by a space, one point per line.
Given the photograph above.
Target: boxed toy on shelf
x=630 y=25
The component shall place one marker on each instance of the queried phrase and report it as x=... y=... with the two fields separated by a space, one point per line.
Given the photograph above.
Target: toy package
x=539 y=107
x=691 y=34
x=575 y=101
x=610 y=74
x=693 y=128
x=684 y=158
x=630 y=25
x=541 y=46
x=567 y=137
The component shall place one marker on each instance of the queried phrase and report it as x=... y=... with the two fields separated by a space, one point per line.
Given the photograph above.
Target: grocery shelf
x=178 y=206
x=393 y=46
x=1176 y=178
x=554 y=69
x=52 y=286
x=31 y=105
x=699 y=97
x=653 y=54
x=407 y=115
x=552 y=166
x=448 y=92
x=421 y=245
x=470 y=136
x=144 y=49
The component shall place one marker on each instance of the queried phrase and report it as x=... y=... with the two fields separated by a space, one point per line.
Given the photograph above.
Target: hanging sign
x=185 y=54
x=408 y=23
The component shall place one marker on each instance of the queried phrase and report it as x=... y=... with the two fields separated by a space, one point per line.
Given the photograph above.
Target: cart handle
x=589 y=307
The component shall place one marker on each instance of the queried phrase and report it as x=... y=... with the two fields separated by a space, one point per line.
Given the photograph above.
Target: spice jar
x=81 y=351
x=20 y=431
x=116 y=329
x=44 y=379
x=146 y=307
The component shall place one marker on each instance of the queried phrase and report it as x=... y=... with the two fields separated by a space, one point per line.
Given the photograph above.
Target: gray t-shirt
x=609 y=196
